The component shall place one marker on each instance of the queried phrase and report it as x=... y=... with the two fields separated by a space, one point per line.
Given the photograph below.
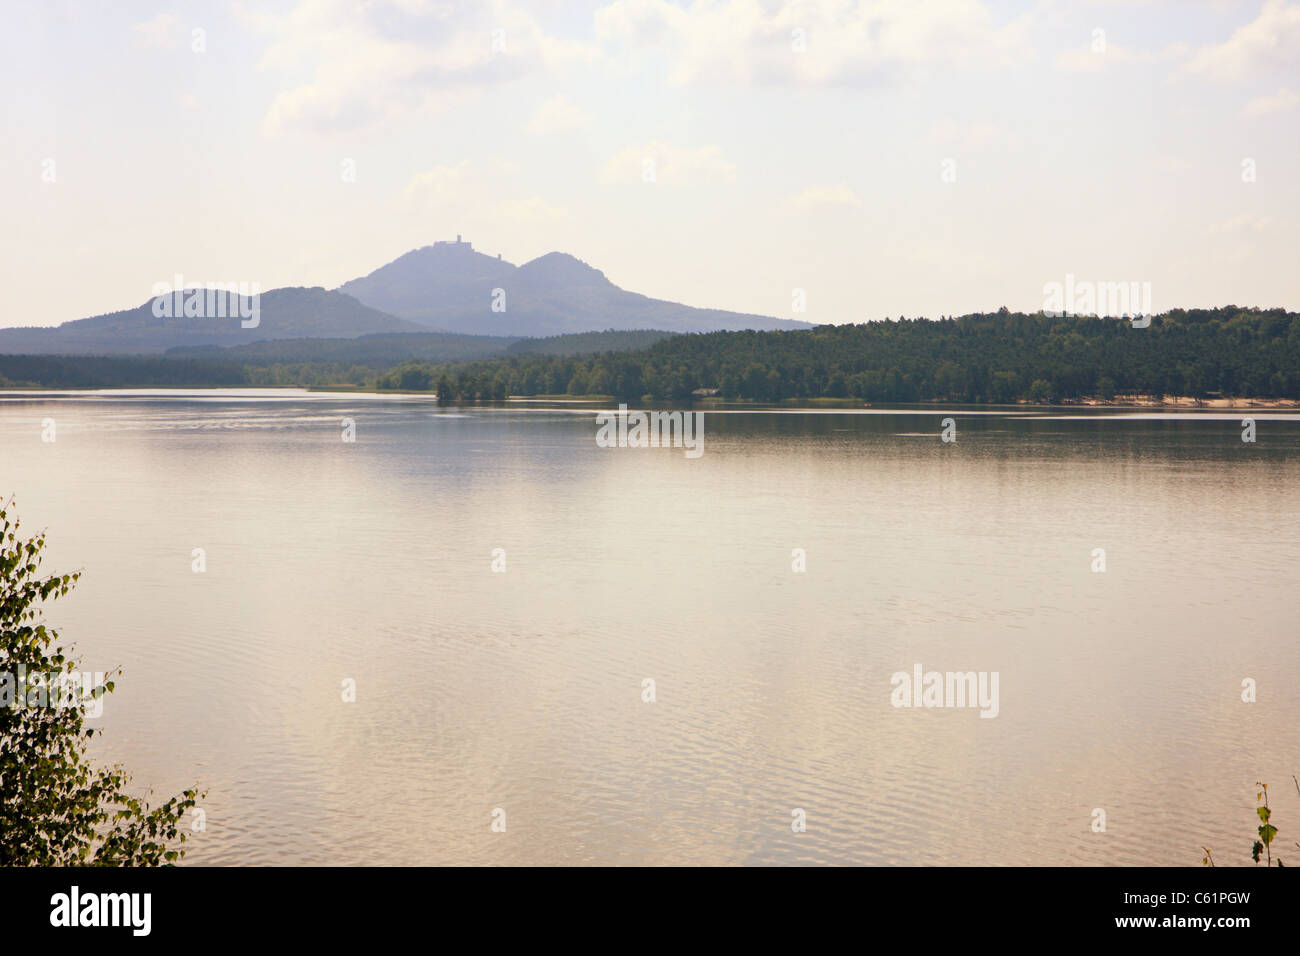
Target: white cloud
x=811 y=42
x=1282 y=101
x=381 y=59
x=967 y=137
x=815 y=197
x=1243 y=225
x=483 y=198
x=669 y=165
x=162 y=31
x=1270 y=41
x=1237 y=240
x=439 y=185
x=556 y=115
x=1085 y=59
x=533 y=211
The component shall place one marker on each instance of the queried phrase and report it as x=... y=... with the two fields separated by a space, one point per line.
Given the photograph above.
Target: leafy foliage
x=1266 y=830
x=1263 y=847
x=56 y=808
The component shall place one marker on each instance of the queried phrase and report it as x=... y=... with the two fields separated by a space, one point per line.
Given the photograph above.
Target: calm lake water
x=522 y=690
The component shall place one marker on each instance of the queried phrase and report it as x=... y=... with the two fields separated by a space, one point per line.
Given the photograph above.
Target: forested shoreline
x=998 y=358
x=985 y=358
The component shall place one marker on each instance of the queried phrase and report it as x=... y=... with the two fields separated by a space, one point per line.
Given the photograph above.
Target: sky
x=815 y=159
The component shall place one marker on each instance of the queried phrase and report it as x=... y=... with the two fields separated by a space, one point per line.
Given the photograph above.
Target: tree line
x=983 y=358
x=997 y=357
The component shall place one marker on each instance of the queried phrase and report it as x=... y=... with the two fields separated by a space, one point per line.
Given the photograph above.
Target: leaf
x=1267 y=832
x=1263 y=813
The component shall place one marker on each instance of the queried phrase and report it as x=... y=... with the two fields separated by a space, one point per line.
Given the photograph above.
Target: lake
x=523 y=688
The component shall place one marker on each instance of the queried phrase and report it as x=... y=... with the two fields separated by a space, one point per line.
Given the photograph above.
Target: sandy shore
x=1173 y=401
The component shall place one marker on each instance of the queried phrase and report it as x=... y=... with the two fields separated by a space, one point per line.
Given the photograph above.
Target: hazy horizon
x=886 y=159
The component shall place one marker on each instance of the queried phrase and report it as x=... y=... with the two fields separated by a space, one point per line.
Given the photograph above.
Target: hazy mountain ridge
x=291 y=312
x=452 y=287
x=447 y=287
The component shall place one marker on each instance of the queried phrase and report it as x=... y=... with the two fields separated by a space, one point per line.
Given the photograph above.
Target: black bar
x=979 y=906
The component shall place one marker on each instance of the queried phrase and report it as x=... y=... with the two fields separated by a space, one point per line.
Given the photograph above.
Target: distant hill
x=388 y=349
x=300 y=362
x=450 y=286
x=118 y=371
x=589 y=343
x=375 y=351
x=284 y=314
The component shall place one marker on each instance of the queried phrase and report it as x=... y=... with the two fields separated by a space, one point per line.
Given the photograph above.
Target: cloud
x=1282 y=101
x=1087 y=58
x=967 y=137
x=1084 y=59
x=374 y=61
x=1270 y=41
x=1243 y=225
x=1236 y=240
x=815 y=197
x=811 y=42
x=439 y=185
x=483 y=197
x=669 y=165
x=556 y=115
x=162 y=31
x=533 y=211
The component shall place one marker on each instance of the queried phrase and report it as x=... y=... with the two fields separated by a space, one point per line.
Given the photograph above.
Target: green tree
x=1040 y=391
x=754 y=384
x=56 y=808
x=414 y=378
x=500 y=387
x=578 y=384
x=949 y=380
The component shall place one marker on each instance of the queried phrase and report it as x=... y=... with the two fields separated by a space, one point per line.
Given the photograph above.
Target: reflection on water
x=522 y=690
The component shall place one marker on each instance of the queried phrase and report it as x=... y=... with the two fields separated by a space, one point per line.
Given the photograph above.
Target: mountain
x=282 y=314
x=428 y=284
x=446 y=287
x=450 y=286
